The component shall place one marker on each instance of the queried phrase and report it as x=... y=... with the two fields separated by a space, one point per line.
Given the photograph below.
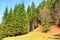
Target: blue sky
x=12 y=3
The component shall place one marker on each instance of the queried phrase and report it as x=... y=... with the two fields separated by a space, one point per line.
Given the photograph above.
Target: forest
x=20 y=21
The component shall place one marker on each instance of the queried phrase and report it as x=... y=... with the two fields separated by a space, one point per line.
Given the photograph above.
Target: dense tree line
x=49 y=13
x=19 y=21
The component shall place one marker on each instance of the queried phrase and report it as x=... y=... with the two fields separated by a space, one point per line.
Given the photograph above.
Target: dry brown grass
x=53 y=30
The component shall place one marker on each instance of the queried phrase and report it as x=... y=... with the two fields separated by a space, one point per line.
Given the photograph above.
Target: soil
x=53 y=30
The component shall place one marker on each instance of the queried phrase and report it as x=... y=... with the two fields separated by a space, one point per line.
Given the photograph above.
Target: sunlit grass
x=34 y=35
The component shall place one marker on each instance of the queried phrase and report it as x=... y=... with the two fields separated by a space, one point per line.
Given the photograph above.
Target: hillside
x=37 y=35
x=37 y=22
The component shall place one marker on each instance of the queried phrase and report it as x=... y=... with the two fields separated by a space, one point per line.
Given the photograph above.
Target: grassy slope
x=34 y=35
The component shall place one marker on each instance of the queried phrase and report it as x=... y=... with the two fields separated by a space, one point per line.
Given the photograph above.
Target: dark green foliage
x=43 y=4
x=51 y=4
x=46 y=24
x=15 y=22
x=5 y=18
x=18 y=21
x=33 y=15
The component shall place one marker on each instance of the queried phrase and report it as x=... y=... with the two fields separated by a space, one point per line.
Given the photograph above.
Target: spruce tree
x=29 y=18
x=5 y=17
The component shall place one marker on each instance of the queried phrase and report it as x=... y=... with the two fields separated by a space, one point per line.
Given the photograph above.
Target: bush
x=46 y=24
x=2 y=34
